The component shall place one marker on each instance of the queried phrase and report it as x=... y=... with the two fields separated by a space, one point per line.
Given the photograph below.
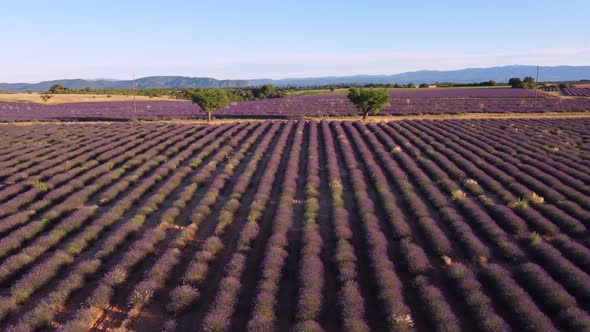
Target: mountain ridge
x=467 y=75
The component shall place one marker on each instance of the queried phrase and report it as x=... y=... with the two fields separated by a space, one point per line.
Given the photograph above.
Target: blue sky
x=276 y=39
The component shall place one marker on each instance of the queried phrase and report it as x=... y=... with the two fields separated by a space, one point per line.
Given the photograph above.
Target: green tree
x=267 y=91
x=423 y=85
x=411 y=85
x=369 y=100
x=515 y=82
x=57 y=88
x=529 y=82
x=210 y=100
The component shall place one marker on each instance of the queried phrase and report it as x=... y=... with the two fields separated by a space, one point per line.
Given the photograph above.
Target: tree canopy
x=369 y=100
x=267 y=91
x=57 y=88
x=527 y=83
x=515 y=82
x=210 y=100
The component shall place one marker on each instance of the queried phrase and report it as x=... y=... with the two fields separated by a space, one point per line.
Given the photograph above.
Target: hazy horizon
x=265 y=39
x=279 y=78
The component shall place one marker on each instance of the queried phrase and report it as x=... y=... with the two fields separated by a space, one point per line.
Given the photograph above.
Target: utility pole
x=536 y=85
x=134 y=104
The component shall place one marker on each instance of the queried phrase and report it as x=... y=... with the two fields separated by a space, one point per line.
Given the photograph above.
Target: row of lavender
x=576 y=92
x=317 y=106
x=463 y=93
x=573 y=92
x=433 y=223
x=339 y=106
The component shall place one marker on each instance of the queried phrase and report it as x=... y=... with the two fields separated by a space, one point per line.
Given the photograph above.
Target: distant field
x=69 y=98
x=453 y=225
x=290 y=107
x=313 y=92
x=467 y=92
x=576 y=92
x=463 y=93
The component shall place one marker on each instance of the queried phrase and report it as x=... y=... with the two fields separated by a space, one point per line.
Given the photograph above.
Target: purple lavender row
x=311 y=267
x=351 y=301
x=476 y=167
x=477 y=304
x=51 y=178
x=530 y=215
x=84 y=239
x=41 y=145
x=502 y=171
x=322 y=105
x=59 y=232
x=67 y=161
x=458 y=226
x=23 y=162
x=553 y=297
x=538 y=167
x=184 y=295
x=533 y=179
x=75 y=199
x=161 y=148
x=550 y=255
x=566 y=222
x=390 y=286
x=515 y=300
x=219 y=316
x=576 y=92
x=213 y=244
x=264 y=315
x=476 y=216
x=419 y=211
x=24 y=180
x=108 y=176
x=16 y=145
x=142 y=247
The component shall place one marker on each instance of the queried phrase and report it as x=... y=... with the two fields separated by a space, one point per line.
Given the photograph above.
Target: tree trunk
x=365 y=114
x=209 y=116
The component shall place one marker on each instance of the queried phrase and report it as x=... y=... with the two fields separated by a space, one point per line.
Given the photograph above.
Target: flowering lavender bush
x=296 y=225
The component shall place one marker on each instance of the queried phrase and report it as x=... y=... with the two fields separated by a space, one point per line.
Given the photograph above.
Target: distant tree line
x=529 y=83
x=60 y=89
x=458 y=85
x=235 y=94
x=526 y=83
x=247 y=93
x=269 y=91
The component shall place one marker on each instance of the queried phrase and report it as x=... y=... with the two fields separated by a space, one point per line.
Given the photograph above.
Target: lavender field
x=463 y=93
x=576 y=92
x=571 y=92
x=474 y=225
x=417 y=103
